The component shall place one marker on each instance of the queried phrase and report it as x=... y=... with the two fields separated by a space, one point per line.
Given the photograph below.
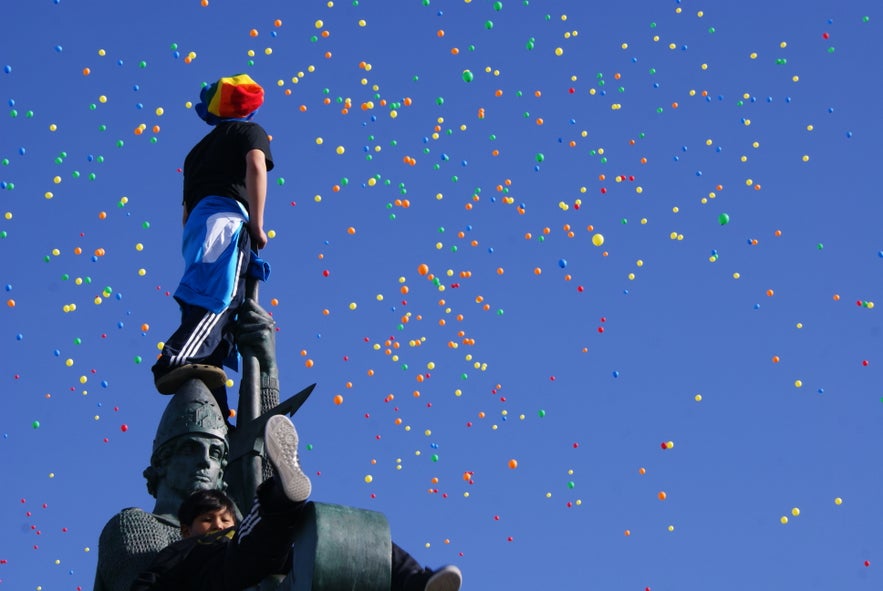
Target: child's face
x=207 y=522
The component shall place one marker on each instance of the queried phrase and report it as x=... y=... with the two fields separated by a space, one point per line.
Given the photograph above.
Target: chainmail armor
x=127 y=546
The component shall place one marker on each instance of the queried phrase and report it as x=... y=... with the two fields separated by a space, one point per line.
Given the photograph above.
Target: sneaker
x=211 y=375
x=280 y=439
x=447 y=578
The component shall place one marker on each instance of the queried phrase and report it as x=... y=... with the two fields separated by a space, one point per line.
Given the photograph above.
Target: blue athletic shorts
x=212 y=256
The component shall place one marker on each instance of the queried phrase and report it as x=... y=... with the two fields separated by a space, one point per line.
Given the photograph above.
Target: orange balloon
x=513 y=464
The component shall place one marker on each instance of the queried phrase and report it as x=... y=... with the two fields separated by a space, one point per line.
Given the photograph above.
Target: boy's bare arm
x=256 y=188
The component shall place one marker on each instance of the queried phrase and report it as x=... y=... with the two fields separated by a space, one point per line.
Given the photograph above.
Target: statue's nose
x=204 y=458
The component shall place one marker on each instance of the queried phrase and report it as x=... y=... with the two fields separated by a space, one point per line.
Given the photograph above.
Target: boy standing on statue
x=225 y=190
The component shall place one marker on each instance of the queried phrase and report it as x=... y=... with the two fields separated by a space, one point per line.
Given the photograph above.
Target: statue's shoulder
x=127 y=546
x=136 y=531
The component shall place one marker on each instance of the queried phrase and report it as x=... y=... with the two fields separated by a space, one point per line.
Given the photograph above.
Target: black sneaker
x=211 y=375
x=280 y=439
x=447 y=578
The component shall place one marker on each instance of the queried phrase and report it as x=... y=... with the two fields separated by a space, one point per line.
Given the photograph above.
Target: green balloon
x=468 y=76
x=724 y=219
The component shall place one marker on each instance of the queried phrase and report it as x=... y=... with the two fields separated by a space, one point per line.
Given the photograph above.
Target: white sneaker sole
x=447 y=578
x=280 y=439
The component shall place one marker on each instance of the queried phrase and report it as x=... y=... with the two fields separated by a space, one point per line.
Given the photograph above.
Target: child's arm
x=256 y=189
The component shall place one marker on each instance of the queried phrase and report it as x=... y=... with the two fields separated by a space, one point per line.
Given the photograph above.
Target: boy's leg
x=409 y=575
x=262 y=545
x=173 y=369
x=217 y=251
x=198 y=341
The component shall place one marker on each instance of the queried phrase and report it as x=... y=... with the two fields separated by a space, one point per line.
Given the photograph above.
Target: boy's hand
x=258 y=236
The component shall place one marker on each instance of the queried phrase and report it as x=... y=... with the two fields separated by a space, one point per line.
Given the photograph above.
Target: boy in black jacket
x=217 y=554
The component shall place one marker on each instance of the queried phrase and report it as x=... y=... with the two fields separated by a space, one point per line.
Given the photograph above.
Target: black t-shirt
x=216 y=165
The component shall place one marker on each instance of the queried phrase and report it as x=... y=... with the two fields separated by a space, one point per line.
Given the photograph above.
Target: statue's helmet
x=192 y=409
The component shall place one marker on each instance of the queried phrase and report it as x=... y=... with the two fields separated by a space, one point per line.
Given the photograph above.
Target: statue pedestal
x=340 y=548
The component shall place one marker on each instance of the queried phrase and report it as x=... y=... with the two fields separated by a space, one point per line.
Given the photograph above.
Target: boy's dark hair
x=204 y=501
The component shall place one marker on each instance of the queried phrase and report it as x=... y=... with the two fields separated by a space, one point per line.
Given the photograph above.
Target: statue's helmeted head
x=192 y=424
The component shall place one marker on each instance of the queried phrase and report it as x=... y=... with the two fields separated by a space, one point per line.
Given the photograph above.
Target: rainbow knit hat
x=235 y=98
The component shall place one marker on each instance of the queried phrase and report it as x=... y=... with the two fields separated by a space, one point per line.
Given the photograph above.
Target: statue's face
x=195 y=464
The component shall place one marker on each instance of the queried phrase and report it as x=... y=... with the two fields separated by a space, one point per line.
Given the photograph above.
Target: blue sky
x=752 y=345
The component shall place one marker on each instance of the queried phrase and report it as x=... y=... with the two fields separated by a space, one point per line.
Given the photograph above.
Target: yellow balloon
x=598 y=239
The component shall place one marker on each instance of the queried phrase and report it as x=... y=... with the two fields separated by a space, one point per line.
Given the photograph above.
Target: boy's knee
x=273 y=502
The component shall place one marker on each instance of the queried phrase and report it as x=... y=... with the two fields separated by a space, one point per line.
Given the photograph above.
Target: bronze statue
x=337 y=547
x=191 y=452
